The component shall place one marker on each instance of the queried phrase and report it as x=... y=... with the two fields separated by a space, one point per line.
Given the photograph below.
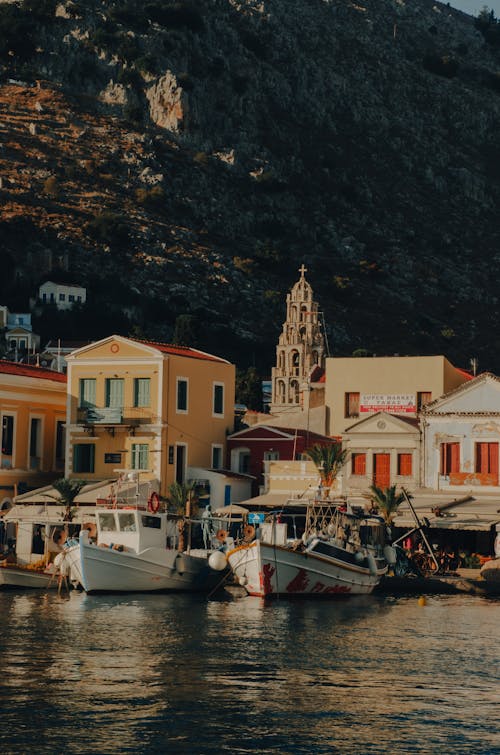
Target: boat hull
x=266 y=570
x=102 y=569
x=491 y=571
x=19 y=577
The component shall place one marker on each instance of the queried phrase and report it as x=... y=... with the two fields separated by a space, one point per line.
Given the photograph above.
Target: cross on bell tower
x=300 y=347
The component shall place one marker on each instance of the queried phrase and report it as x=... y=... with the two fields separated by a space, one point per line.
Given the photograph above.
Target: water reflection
x=180 y=673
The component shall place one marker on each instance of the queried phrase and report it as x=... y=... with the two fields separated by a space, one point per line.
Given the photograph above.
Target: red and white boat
x=340 y=553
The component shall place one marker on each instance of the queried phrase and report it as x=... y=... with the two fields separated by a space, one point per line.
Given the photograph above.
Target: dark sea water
x=182 y=674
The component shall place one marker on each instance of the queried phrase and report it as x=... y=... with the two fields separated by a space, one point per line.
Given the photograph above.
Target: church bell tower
x=300 y=348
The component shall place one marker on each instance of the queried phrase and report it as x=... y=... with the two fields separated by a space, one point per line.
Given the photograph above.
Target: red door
x=382 y=470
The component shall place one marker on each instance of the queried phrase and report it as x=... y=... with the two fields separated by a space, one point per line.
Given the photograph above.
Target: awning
x=90 y=493
x=275 y=501
x=230 y=510
x=48 y=494
x=448 y=523
x=41 y=514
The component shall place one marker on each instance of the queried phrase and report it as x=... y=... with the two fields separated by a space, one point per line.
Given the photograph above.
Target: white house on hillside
x=18 y=330
x=63 y=295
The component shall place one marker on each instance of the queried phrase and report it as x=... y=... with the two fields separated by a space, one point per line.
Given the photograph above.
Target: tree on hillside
x=186 y=330
x=249 y=389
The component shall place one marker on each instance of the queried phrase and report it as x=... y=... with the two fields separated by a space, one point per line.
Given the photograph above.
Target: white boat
x=339 y=554
x=35 y=536
x=14 y=576
x=490 y=571
x=129 y=553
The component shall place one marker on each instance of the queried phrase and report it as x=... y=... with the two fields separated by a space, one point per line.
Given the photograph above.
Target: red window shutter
x=455 y=457
x=493 y=459
x=359 y=464
x=482 y=458
x=405 y=465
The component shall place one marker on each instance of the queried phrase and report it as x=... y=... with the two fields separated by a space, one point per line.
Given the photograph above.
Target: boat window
x=127 y=522
x=152 y=521
x=107 y=522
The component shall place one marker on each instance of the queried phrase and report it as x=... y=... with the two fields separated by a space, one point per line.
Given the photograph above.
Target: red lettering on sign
x=299 y=582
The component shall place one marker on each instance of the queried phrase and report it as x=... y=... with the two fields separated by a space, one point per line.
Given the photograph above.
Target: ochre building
x=33 y=416
x=146 y=406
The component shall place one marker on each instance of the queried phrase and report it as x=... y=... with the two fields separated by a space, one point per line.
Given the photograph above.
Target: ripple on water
x=178 y=673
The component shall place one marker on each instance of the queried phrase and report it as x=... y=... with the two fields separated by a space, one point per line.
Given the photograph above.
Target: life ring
x=248 y=533
x=154 y=502
x=221 y=536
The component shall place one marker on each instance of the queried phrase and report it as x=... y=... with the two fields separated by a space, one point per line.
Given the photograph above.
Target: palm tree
x=68 y=490
x=386 y=500
x=329 y=461
x=182 y=502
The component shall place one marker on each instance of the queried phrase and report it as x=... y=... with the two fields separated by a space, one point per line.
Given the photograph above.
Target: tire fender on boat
x=372 y=565
x=390 y=555
x=180 y=564
x=248 y=533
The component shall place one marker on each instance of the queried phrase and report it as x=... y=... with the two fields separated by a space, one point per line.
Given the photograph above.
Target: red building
x=249 y=449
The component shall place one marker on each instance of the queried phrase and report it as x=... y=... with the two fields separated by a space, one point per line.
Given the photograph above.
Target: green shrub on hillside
x=443 y=65
x=175 y=15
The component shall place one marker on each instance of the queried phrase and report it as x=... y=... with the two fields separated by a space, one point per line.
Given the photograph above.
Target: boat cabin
x=135 y=530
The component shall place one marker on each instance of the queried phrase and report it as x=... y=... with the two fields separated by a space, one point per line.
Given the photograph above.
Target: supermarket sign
x=396 y=403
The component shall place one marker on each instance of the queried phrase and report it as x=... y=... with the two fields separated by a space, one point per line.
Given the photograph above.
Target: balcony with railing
x=112 y=416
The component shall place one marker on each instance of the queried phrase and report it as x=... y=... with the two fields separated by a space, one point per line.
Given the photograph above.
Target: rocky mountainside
x=182 y=159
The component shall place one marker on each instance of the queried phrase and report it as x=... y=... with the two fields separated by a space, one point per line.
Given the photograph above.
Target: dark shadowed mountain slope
x=183 y=158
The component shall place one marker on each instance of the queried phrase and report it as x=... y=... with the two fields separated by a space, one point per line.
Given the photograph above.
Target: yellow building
x=359 y=387
x=33 y=416
x=151 y=406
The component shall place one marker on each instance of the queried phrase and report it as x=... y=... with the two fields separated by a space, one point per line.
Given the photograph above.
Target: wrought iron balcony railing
x=115 y=415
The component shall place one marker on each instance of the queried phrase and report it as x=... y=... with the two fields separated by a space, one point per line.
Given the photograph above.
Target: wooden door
x=382 y=470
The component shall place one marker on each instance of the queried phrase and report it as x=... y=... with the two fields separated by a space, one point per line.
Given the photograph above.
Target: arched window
x=280 y=392
x=315 y=357
x=294 y=362
x=294 y=392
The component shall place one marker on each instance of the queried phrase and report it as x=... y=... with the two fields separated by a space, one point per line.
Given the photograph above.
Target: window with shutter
x=450 y=458
x=142 y=392
x=114 y=392
x=351 y=405
x=87 y=393
x=182 y=395
x=358 y=464
x=405 y=465
x=140 y=456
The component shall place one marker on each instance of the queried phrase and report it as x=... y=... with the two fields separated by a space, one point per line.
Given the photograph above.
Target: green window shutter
x=83 y=457
x=140 y=456
x=182 y=395
x=114 y=392
x=218 y=399
x=87 y=393
x=142 y=392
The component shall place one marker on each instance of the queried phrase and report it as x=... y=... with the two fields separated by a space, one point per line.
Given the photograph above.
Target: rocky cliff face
x=185 y=158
